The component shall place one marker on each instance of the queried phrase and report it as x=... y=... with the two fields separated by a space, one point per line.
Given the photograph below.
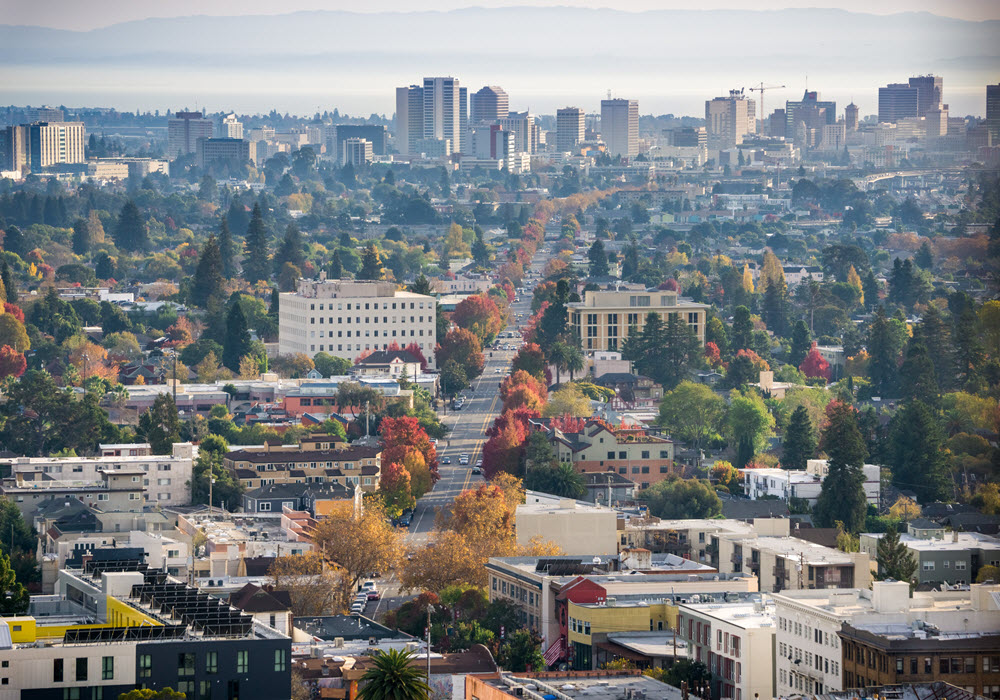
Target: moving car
x=477 y=470
x=404 y=520
x=374 y=595
x=463 y=458
x=446 y=460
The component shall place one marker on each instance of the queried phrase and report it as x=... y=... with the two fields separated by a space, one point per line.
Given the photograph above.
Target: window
x=233 y=690
x=242 y=661
x=107 y=668
x=71 y=694
x=645 y=454
x=280 y=660
x=186 y=687
x=960 y=565
x=205 y=690
x=212 y=662
x=928 y=566
x=185 y=664
x=145 y=666
x=81 y=669
x=57 y=670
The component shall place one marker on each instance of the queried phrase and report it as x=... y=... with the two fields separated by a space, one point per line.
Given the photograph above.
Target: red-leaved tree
x=480 y=314
x=463 y=347
x=400 y=436
x=814 y=365
x=504 y=450
x=12 y=362
x=14 y=310
x=531 y=359
x=415 y=350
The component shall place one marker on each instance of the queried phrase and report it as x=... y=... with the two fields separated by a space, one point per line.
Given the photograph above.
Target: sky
x=76 y=15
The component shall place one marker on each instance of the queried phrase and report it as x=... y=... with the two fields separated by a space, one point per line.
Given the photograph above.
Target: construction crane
x=762 y=88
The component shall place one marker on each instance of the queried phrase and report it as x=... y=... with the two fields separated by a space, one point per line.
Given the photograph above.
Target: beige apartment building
x=343 y=318
x=316 y=459
x=603 y=319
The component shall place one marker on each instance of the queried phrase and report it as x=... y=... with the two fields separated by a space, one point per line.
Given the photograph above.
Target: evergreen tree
x=290 y=249
x=256 y=266
x=968 y=355
x=882 y=353
x=917 y=378
x=662 y=351
x=741 y=335
x=598 y=260
x=131 y=233
x=227 y=249
x=842 y=496
x=775 y=308
x=15 y=599
x=82 y=240
x=480 y=251
x=801 y=343
x=15 y=242
x=9 y=285
x=237 y=337
x=924 y=258
x=371 y=264
x=916 y=452
x=421 y=285
x=895 y=560
x=161 y=425
x=935 y=335
x=869 y=288
x=336 y=269
x=209 y=281
x=799 y=444
x=104 y=267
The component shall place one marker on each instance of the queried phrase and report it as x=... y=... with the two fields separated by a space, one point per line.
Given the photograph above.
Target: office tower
x=689 y=137
x=356 y=152
x=522 y=125
x=445 y=113
x=936 y=120
x=897 y=101
x=729 y=119
x=488 y=104
x=931 y=94
x=851 y=116
x=491 y=141
x=993 y=111
x=620 y=127
x=183 y=131
x=45 y=114
x=375 y=134
x=463 y=115
x=409 y=118
x=52 y=143
x=225 y=151
x=231 y=128
x=569 y=129
x=776 y=124
x=14 y=148
x=810 y=111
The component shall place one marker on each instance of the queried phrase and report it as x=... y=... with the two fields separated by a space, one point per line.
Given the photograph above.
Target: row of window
x=820 y=663
x=960 y=565
x=357 y=346
x=368 y=333
x=82 y=669
x=285 y=466
x=806 y=632
x=664 y=454
x=516 y=592
x=368 y=321
x=579 y=626
x=370 y=305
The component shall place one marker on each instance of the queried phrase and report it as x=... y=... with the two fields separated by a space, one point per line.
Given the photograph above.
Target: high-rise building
x=729 y=119
x=570 y=124
x=993 y=111
x=409 y=118
x=183 y=131
x=522 y=125
x=445 y=112
x=52 y=143
x=488 y=104
x=776 y=124
x=810 y=111
x=897 y=101
x=689 y=137
x=356 y=152
x=851 y=116
x=14 y=148
x=224 y=151
x=931 y=94
x=231 y=127
x=45 y=114
x=620 y=127
x=375 y=134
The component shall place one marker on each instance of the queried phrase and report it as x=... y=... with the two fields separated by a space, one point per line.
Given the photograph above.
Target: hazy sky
x=73 y=14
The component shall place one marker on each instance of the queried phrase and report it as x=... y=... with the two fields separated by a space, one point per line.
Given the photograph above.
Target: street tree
x=676 y=498
x=694 y=414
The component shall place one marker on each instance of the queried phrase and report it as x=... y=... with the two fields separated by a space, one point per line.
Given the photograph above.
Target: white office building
x=445 y=110
x=356 y=152
x=620 y=127
x=231 y=127
x=343 y=318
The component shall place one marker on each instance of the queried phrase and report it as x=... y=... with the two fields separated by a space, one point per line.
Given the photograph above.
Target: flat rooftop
x=965 y=540
x=745 y=615
x=797 y=549
x=598 y=686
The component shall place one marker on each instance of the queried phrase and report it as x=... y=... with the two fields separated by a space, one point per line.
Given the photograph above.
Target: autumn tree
x=394 y=485
x=315 y=586
x=504 y=449
x=480 y=314
x=518 y=379
x=568 y=400
x=531 y=359
x=815 y=365
x=371 y=264
x=359 y=543
x=12 y=362
x=465 y=349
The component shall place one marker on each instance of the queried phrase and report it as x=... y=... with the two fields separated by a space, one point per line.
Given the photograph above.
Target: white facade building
x=807 y=484
x=345 y=317
x=620 y=127
x=356 y=152
x=231 y=127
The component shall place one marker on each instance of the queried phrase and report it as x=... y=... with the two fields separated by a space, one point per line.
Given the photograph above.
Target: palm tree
x=574 y=359
x=557 y=356
x=393 y=676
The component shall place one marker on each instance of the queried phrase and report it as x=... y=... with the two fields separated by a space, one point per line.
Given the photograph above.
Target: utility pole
x=430 y=609
x=174 y=355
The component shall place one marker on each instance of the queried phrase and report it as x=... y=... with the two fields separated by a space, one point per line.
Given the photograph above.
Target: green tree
x=934 y=334
x=598 y=260
x=661 y=351
x=161 y=425
x=521 y=652
x=676 y=498
x=916 y=452
x=335 y=270
x=801 y=343
x=394 y=675
x=694 y=673
x=741 y=335
x=917 y=378
x=7 y=278
x=226 y=488
x=256 y=263
x=799 y=444
x=453 y=378
x=82 y=239
x=237 y=339
x=131 y=232
x=557 y=478
x=421 y=285
x=842 y=496
x=869 y=288
x=883 y=352
x=290 y=249
x=694 y=414
x=371 y=264
x=748 y=425
x=150 y=694
x=480 y=251
x=895 y=560
x=18 y=542
x=330 y=366
x=209 y=279
x=227 y=249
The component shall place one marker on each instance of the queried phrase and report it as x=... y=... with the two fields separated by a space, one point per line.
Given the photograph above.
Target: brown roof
x=369 y=470
x=246 y=474
x=345 y=455
x=254 y=599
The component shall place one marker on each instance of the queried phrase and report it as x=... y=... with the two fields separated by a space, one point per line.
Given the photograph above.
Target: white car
x=463 y=459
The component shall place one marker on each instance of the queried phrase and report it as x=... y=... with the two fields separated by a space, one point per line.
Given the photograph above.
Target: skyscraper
x=897 y=101
x=620 y=127
x=231 y=127
x=409 y=118
x=729 y=119
x=931 y=94
x=51 y=143
x=488 y=104
x=851 y=116
x=569 y=129
x=522 y=125
x=811 y=111
x=445 y=113
x=993 y=111
x=183 y=131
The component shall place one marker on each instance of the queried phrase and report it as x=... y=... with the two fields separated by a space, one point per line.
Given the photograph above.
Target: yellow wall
x=119 y=615
x=611 y=618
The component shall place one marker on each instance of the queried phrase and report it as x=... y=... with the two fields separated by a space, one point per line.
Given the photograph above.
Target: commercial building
x=317 y=459
x=993 y=112
x=55 y=143
x=526 y=132
x=225 y=152
x=345 y=317
x=567 y=685
x=577 y=528
x=116 y=625
x=789 y=563
x=931 y=92
x=488 y=104
x=897 y=101
x=620 y=127
x=941 y=556
x=570 y=129
x=729 y=119
x=809 y=113
x=183 y=131
x=45 y=114
x=409 y=118
x=14 y=149
x=445 y=110
x=356 y=152
x=691 y=539
x=736 y=642
x=811 y=658
x=375 y=134
x=851 y=116
x=232 y=128
x=689 y=137
x=603 y=319
x=787 y=484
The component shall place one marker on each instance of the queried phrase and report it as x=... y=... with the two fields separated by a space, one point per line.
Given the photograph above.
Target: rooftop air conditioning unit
x=338 y=642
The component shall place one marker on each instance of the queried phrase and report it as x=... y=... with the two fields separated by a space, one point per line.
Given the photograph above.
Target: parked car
x=374 y=595
x=404 y=520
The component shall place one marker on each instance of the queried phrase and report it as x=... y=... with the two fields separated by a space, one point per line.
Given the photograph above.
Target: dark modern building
x=897 y=101
x=993 y=111
x=376 y=134
x=810 y=110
